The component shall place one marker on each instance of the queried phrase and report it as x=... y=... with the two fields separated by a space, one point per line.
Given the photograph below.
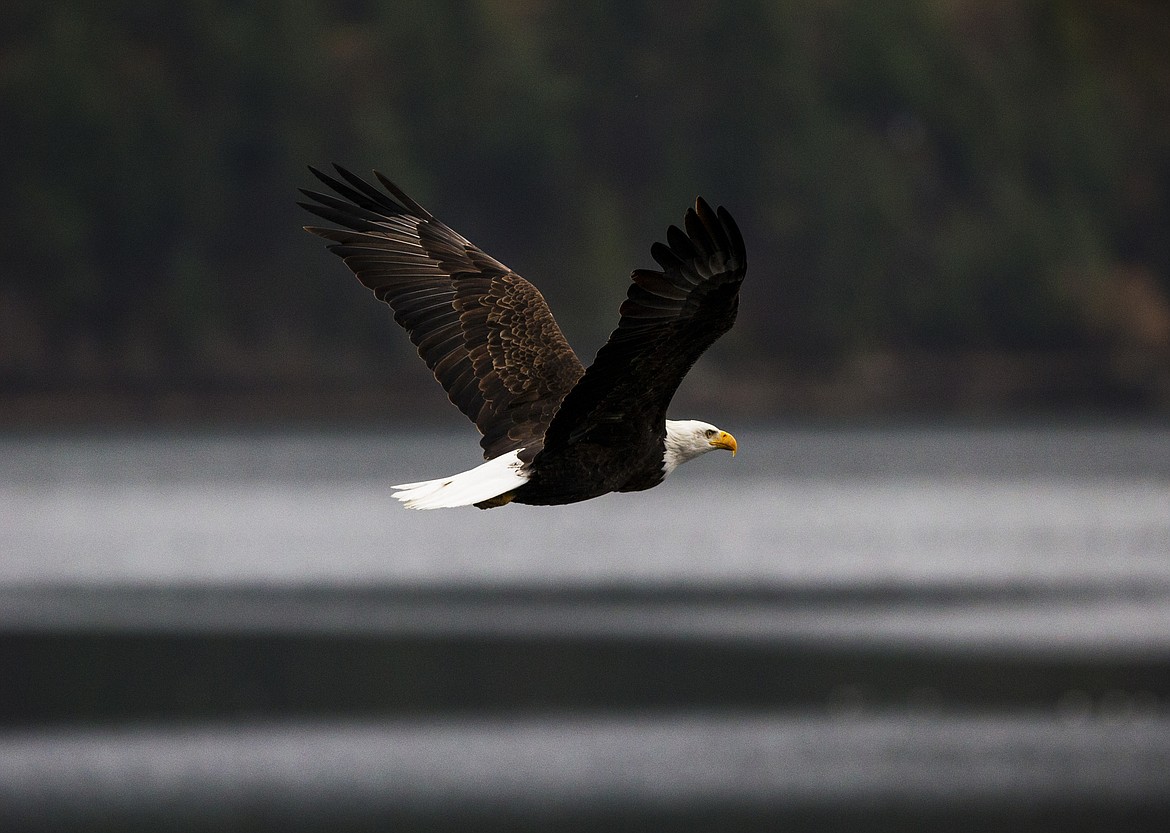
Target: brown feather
x=485 y=332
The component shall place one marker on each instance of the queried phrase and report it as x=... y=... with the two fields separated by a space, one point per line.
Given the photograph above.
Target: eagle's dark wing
x=667 y=320
x=485 y=332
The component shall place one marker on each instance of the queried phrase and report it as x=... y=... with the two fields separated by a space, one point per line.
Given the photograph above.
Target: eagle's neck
x=681 y=444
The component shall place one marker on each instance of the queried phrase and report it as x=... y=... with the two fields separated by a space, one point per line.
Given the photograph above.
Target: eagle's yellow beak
x=725 y=440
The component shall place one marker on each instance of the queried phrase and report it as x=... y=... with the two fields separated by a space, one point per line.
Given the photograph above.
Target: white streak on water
x=561 y=764
x=741 y=531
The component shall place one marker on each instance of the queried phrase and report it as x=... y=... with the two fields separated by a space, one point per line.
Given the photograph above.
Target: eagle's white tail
x=494 y=478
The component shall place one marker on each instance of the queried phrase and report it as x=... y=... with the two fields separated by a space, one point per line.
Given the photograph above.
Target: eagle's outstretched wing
x=668 y=319
x=485 y=332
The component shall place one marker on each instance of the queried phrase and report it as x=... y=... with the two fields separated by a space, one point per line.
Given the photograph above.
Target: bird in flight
x=553 y=432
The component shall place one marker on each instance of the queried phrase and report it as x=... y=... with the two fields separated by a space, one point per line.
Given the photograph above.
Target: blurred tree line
x=913 y=178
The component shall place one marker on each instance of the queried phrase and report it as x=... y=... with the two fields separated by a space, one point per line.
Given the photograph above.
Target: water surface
x=967 y=628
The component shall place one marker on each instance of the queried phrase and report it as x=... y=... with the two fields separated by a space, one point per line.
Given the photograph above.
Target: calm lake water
x=1057 y=535
x=910 y=506
x=1027 y=543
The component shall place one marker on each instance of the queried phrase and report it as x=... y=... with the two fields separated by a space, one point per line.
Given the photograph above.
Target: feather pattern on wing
x=485 y=332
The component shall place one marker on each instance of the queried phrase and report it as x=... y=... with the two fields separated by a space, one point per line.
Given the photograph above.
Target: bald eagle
x=553 y=432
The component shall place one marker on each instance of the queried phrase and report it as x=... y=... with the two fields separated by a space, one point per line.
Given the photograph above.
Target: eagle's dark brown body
x=618 y=461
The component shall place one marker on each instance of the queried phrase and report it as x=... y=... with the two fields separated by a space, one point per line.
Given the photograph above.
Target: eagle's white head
x=686 y=439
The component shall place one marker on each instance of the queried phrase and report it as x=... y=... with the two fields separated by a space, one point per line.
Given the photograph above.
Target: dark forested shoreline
x=948 y=207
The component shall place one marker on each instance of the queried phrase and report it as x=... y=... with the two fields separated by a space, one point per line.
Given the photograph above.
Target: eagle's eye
x=710 y=433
